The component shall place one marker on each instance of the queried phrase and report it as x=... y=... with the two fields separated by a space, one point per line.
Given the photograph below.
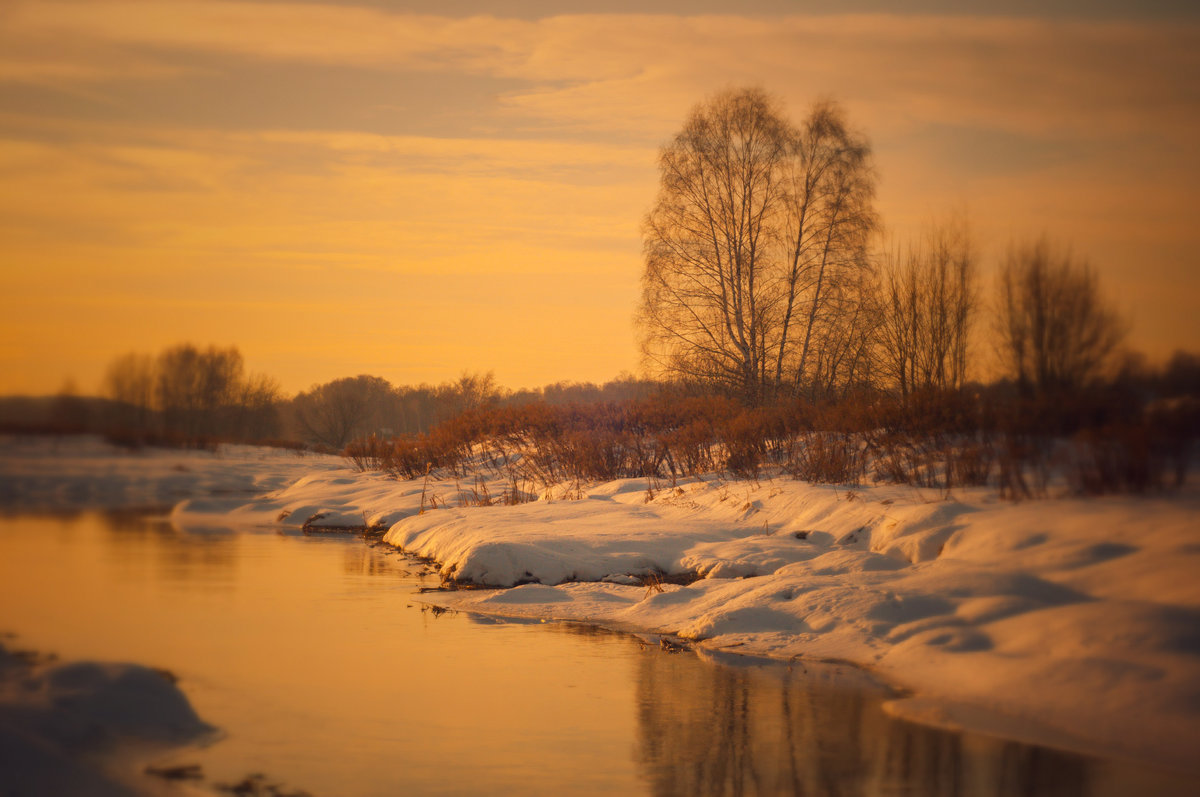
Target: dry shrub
x=1176 y=425
x=970 y=464
x=830 y=458
x=1102 y=442
x=935 y=461
x=478 y=495
x=368 y=453
x=689 y=449
x=1023 y=462
x=1116 y=459
x=410 y=456
x=744 y=445
x=593 y=454
x=893 y=458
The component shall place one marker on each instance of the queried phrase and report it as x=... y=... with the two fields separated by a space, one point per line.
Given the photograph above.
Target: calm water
x=313 y=656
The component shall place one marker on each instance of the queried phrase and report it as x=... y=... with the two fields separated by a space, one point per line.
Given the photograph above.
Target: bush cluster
x=1095 y=443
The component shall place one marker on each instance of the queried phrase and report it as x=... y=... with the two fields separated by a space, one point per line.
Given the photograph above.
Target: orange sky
x=415 y=189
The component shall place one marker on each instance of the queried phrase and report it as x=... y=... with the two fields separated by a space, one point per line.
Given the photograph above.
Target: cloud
x=636 y=72
x=326 y=34
x=1079 y=78
x=532 y=159
x=279 y=199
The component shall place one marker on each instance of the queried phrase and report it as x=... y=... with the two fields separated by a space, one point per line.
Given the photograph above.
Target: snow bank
x=85 y=728
x=87 y=473
x=706 y=528
x=1071 y=622
x=334 y=497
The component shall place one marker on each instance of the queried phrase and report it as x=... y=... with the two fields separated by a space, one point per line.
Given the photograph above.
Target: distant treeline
x=1132 y=431
x=332 y=414
x=195 y=396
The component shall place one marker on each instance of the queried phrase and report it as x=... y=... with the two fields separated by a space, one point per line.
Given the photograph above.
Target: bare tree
x=194 y=387
x=755 y=244
x=193 y=395
x=841 y=354
x=129 y=381
x=254 y=413
x=828 y=219
x=928 y=301
x=468 y=392
x=336 y=412
x=706 y=291
x=1054 y=330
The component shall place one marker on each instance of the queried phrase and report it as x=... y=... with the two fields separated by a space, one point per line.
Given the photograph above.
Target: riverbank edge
x=904 y=703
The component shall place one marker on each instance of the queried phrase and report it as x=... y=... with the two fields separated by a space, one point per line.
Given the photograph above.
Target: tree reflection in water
x=140 y=544
x=817 y=730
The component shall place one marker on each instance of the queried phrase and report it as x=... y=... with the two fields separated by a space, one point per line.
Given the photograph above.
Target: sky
x=417 y=189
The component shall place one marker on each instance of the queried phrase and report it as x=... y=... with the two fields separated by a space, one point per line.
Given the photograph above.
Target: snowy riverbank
x=70 y=473
x=1068 y=621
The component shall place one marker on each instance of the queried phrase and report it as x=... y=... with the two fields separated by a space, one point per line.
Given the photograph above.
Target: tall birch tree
x=756 y=246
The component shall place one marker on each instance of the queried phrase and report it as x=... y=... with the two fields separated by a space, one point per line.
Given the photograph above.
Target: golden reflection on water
x=316 y=659
x=818 y=729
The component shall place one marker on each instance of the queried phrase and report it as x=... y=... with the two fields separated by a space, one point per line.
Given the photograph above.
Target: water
x=315 y=658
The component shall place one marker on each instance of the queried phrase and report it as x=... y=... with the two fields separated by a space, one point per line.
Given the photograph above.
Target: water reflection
x=10 y=514
x=768 y=729
x=142 y=545
x=369 y=562
x=135 y=519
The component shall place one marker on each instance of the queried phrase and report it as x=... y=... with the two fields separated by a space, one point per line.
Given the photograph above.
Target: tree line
x=187 y=395
x=199 y=396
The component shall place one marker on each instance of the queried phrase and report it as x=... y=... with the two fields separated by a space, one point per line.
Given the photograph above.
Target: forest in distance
x=1132 y=430
x=779 y=327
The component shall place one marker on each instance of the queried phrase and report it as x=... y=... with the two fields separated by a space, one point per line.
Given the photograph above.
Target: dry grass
x=939 y=440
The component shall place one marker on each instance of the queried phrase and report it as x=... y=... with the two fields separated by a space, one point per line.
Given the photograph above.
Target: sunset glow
x=346 y=188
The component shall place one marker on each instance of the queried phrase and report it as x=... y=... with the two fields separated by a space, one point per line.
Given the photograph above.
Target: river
x=325 y=672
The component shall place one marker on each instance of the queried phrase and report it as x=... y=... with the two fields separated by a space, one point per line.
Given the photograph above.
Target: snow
x=1072 y=622
x=38 y=473
x=86 y=728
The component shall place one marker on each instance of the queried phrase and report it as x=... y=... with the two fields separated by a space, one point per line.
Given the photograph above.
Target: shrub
x=1100 y=442
x=829 y=458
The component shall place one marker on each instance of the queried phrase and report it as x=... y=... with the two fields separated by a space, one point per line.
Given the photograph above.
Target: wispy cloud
x=609 y=71
x=403 y=203
x=327 y=34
